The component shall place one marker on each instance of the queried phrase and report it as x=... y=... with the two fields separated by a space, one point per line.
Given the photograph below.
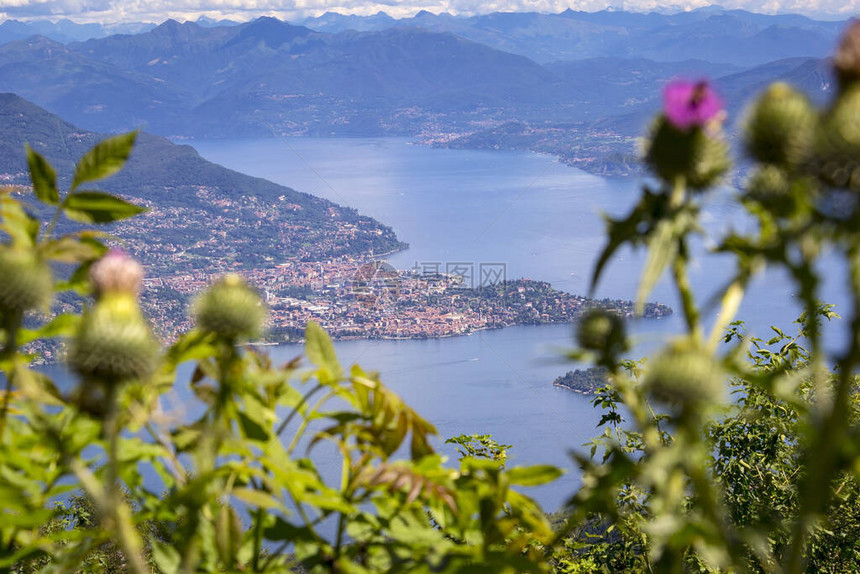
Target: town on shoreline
x=359 y=298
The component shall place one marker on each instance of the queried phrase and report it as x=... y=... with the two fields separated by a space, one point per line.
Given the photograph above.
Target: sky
x=109 y=11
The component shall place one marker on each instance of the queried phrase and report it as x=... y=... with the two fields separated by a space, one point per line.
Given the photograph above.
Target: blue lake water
x=542 y=220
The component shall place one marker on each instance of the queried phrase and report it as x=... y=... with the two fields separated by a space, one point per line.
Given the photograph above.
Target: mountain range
x=443 y=79
x=713 y=34
x=201 y=216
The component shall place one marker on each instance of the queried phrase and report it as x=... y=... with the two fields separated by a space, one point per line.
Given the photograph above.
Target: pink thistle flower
x=687 y=105
x=116 y=272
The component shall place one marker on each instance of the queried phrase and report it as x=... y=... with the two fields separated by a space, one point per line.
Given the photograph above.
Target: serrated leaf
x=104 y=159
x=98 y=207
x=43 y=177
x=320 y=350
x=533 y=475
x=632 y=229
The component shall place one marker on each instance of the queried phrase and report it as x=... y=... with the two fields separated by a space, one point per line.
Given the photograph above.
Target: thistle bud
x=770 y=187
x=695 y=155
x=846 y=61
x=26 y=281
x=114 y=343
x=838 y=142
x=602 y=332
x=685 y=378
x=116 y=272
x=231 y=309
x=685 y=140
x=781 y=126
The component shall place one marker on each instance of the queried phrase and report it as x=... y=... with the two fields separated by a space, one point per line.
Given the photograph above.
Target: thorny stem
x=685 y=291
x=117 y=508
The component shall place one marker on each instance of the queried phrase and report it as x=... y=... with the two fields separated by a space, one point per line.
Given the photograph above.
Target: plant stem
x=685 y=291
x=10 y=351
x=822 y=457
x=117 y=508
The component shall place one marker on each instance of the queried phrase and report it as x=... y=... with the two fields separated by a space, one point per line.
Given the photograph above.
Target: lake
x=542 y=220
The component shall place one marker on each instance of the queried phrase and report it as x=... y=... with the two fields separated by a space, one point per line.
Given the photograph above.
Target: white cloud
x=158 y=10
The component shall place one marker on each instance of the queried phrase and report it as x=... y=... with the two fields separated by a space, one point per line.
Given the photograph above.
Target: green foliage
x=236 y=487
x=480 y=446
x=680 y=480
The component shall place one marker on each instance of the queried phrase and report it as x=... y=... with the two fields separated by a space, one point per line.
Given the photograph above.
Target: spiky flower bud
x=770 y=187
x=602 y=332
x=684 y=377
x=685 y=140
x=838 y=141
x=26 y=281
x=231 y=309
x=114 y=343
x=116 y=272
x=696 y=155
x=781 y=126
x=846 y=61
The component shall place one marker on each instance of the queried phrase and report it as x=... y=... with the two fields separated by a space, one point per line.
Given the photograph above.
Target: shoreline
x=335 y=337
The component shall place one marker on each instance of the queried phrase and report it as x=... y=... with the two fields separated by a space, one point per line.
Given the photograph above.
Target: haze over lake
x=538 y=217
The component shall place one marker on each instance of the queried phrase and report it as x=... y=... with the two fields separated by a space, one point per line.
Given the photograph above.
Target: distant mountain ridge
x=427 y=79
x=65 y=30
x=203 y=217
x=715 y=34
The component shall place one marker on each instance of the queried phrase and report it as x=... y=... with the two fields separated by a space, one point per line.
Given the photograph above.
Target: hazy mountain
x=611 y=86
x=713 y=34
x=202 y=215
x=333 y=22
x=211 y=22
x=810 y=75
x=98 y=95
x=268 y=77
x=65 y=30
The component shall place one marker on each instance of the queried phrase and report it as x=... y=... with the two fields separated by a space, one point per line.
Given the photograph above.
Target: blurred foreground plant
x=769 y=482
x=100 y=478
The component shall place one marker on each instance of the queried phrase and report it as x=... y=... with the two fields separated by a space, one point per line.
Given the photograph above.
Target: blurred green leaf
x=662 y=249
x=228 y=536
x=64 y=325
x=251 y=428
x=320 y=351
x=104 y=159
x=98 y=207
x=533 y=475
x=256 y=498
x=43 y=177
x=20 y=225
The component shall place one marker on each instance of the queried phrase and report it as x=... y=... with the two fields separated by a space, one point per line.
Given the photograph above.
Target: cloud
x=159 y=10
